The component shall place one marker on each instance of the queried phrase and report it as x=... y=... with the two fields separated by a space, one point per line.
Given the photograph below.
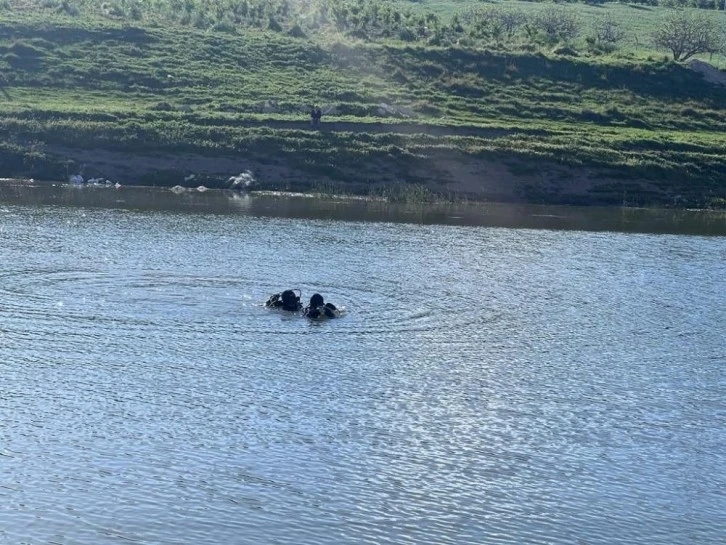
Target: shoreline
x=141 y=104
x=449 y=175
x=356 y=208
x=351 y=198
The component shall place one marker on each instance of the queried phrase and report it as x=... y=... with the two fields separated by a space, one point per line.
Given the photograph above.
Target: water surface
x=488 y=383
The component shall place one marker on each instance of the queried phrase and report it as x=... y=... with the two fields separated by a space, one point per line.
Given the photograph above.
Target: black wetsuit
x=328 y=311
x=287 y=300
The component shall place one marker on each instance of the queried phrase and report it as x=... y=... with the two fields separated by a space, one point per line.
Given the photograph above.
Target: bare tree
x=607 y=30
x=687 y=34
x=558 y=23
x=494 y=22
x=512 y=20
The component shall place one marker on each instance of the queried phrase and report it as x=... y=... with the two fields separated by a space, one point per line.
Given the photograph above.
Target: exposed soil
x=447 y=173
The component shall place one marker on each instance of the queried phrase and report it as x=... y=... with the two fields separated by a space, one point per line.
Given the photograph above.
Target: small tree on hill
x=558 y=23
x=607 y=30
x=495 y=23
x=687 y=34
x=273 y=24
x=512 y=20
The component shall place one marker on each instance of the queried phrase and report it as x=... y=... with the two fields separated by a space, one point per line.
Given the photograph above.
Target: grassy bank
x=150 y=101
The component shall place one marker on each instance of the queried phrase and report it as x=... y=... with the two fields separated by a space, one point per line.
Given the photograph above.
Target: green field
x=638 y=21
x=143 y=78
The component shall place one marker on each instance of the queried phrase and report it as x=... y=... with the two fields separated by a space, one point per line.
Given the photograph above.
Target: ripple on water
x=484 y=385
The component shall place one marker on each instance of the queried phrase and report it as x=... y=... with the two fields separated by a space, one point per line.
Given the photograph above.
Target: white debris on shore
x=77 y=179
x=243 y=181
x=390 y=110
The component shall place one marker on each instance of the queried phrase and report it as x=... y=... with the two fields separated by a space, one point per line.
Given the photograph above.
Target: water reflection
x=487 y=385
x=634 y=220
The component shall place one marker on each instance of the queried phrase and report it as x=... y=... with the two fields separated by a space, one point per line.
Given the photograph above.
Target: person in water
x=318 y=308
x=287 y=300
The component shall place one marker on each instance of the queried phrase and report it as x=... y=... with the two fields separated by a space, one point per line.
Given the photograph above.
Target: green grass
x=638 y=21
x=90 y=81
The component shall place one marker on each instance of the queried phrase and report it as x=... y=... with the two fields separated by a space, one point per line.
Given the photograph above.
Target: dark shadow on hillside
x=666 y=81
x=71 y=35
x=23 y=55
x=4 y=91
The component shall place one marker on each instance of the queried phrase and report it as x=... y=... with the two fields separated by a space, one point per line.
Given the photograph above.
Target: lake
x=501 y=374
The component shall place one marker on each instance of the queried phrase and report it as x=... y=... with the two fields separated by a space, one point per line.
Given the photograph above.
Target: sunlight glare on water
x=486 y=384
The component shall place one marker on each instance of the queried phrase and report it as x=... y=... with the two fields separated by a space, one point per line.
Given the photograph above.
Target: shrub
x=557 y=23
x=135 y=12
x=297 y=32
x=406 y=35
x=225 y=25
x=565 y=50
x=274 y=25
x=69 y=8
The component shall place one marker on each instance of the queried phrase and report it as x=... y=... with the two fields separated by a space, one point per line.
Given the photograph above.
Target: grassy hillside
x=75 y=78
x=637 y=20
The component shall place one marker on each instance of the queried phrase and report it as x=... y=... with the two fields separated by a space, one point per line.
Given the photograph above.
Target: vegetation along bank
x=617 y=104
